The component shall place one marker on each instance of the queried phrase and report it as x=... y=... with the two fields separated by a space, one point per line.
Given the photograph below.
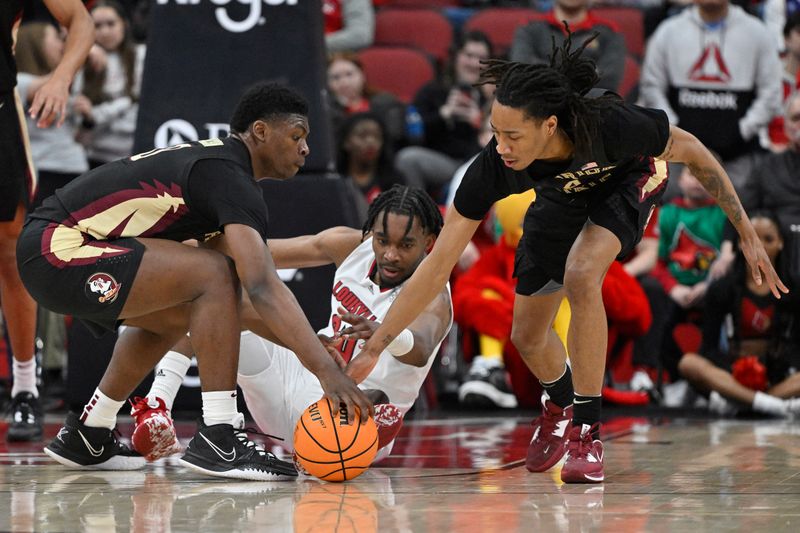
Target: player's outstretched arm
x=328 y=246
x=427 y=282
x=278 y=307
x=683 y=147
x=50 y=101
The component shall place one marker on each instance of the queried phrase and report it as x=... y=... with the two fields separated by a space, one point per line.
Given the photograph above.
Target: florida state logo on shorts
x=103 y=287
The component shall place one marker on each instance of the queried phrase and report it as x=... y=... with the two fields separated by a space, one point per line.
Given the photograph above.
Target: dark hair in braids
x=402 y=200
x=558 y=88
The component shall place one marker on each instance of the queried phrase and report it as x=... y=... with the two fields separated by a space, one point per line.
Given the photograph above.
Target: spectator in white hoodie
x=715 y=70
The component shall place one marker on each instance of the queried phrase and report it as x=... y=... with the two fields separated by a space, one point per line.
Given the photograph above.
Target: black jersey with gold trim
x=629 y=138
x=186 y=191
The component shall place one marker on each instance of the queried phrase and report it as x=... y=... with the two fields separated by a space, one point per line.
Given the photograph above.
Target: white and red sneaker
x=584 y=460
x=153 y=434
x=549 y=441
x=389 y=421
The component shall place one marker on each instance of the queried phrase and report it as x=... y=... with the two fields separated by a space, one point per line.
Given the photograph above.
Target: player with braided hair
x=598 y=167
x=372 y=264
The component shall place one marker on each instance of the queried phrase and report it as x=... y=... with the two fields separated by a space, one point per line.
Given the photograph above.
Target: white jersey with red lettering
x=278 y=394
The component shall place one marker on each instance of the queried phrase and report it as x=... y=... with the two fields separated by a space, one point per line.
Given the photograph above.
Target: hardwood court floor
x=450 y=475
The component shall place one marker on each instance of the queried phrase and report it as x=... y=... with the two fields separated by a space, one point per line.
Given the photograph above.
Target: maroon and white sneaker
x=584 y=460
x=153 y=434
x=389 y=421
x=549 y=442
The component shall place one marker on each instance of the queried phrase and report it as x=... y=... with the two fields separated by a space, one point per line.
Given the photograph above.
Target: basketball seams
x=336 y=434
x=311 y=436
x=329 y=464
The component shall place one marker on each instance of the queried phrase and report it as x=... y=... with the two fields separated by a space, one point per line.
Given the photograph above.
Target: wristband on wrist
x=402 y=344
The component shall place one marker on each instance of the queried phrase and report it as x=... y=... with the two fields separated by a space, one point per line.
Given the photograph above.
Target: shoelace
x=585 y=442
x=243 y=436
x=547 y=425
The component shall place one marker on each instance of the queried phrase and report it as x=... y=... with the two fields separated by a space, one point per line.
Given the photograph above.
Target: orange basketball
x=331 y=449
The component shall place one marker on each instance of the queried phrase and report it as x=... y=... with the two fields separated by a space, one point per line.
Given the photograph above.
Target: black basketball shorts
x=71 y=273
x=551 y=229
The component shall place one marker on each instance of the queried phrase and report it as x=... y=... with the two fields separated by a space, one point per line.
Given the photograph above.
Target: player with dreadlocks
x=598 y=166
x=372 y=264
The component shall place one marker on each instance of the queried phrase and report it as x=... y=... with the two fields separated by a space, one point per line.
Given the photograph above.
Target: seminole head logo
x=103 y=287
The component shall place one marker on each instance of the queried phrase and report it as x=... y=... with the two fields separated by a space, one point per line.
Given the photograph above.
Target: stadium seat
x=397 y=69
x=499 y=25
x=630 y=78
x=630 y=22
x=426 y=29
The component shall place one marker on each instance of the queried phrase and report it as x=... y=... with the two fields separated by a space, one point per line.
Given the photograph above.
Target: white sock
x=24 y=377
x=766 y=403
x=170 y=372
x=101 y=411
x=219 y=407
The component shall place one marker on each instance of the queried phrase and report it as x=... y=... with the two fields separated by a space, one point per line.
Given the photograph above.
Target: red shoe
x=153 y=433
x=389 y=421
x=549 y=442
x=584 y=462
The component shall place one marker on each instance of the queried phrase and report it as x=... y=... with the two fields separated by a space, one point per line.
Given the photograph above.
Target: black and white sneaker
x=80 y=446
x=224 y=451
x=486 y=385
x=26 y=418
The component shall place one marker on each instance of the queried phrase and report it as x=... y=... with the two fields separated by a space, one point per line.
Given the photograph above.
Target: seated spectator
x=57 y=157
x=690 y=234
x=349 y=24
x=109 y=86
x=351 y=93
x=757 y=364
x=452 y=114
x=363 y=156
x=533 y=43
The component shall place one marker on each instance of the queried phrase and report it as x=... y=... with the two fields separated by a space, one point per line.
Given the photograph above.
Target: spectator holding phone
x=452 y=114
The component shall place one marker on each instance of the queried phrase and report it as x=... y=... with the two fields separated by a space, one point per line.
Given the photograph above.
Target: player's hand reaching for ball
x=361 y=365
x=360 y=328
x=342 y=391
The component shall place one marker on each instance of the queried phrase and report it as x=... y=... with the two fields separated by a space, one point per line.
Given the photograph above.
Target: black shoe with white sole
x=84 y=447
x=487 y=386
x=26 y=418
x=223 y=451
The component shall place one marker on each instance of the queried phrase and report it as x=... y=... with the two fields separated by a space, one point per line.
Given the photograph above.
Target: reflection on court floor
x=466 y=474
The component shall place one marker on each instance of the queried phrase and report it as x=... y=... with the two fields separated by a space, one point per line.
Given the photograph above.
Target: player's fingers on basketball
x=365 y=408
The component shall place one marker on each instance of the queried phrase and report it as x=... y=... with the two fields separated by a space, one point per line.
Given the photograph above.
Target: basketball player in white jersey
x=372 y=264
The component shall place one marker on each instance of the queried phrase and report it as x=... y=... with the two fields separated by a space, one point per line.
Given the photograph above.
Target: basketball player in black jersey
x=18 y=186
x=107 y=249
x=598 y=166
